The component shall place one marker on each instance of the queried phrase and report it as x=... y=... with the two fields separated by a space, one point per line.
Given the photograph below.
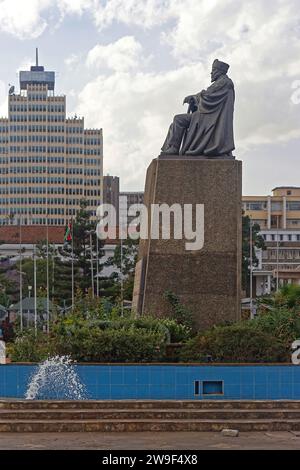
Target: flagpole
x=122 y=283
x=48 y=303
x=21 y=278
x=92 y=270
x=97 y=259
x=53 y=287
x=35 y=292
x=251 y=270
x=72 y=244
x=277 y=255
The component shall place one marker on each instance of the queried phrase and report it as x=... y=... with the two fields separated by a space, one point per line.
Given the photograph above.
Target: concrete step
x=207 y=425
x=151 y=415
x=10 y=404
x=144 y=414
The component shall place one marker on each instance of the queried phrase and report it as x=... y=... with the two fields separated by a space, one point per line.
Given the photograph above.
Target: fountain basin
x=169 y=381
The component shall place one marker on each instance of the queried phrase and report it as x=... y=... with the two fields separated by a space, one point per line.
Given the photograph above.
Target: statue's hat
x=222 y=66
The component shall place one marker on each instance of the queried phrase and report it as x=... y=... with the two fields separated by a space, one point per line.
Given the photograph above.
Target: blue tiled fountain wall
x=172 y=381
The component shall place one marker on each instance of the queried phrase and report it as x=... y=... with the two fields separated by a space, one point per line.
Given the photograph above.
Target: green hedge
x=94 y=345
x=236 y=343
x=141 y=339
x=112 y=345
x=103 y=338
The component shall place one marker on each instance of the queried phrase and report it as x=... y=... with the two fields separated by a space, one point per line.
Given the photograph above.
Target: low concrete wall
x=170 y=381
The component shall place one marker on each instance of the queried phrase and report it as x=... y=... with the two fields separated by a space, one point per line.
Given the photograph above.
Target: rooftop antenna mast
x=36 y=56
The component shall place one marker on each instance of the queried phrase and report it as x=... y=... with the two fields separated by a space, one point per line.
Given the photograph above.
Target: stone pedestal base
x=207 y=281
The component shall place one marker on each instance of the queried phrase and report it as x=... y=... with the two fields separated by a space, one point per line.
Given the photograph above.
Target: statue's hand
x=189 y=99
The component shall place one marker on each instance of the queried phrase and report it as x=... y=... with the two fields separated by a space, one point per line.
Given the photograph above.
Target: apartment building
x=279 y=218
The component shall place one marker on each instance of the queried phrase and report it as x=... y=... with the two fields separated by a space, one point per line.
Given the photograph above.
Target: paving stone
x=230 y=432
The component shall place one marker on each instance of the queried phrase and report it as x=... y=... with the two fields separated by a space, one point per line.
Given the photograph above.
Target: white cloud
x=72 y=60
x=3 y=99
x=29 y=18
x=122 y=55
x=76 y=6
x=143 y=13
x=259 y=39
x=23 y=18
x=135 y=103
x=25 y=64
x=135 y=110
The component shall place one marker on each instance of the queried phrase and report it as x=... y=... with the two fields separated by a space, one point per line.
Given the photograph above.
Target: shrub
x=236 y=343
x=178 y=332
x=173 y=331
x=112 y=345
x=283 y=324
x=30 y=348
x=99 y=341
x=288 y=296
x=179 y=312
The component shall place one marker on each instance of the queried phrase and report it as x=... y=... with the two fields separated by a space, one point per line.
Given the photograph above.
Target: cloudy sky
x=126 y=65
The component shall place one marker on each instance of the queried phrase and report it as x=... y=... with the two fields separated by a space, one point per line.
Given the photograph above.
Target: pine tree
x=60 y=287
x=84 y=242
x=125 y=263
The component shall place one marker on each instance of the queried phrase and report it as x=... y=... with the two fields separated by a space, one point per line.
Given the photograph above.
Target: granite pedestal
x=208 y=280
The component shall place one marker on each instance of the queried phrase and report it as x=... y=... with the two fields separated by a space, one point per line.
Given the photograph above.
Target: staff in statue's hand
x=191 y=101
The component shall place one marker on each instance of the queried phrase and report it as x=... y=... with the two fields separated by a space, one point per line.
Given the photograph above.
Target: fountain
x=2 y=352
x=56 y=378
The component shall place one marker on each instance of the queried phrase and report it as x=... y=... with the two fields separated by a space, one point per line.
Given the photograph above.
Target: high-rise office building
x=48 y=162
x=111 y=191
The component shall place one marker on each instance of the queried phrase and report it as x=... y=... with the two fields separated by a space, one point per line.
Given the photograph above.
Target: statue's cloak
x=211 y=128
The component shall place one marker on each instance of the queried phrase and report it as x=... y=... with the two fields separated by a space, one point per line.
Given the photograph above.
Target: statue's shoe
x=170 y=151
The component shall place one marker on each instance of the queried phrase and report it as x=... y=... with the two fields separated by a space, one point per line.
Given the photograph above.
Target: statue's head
x=218 y=68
